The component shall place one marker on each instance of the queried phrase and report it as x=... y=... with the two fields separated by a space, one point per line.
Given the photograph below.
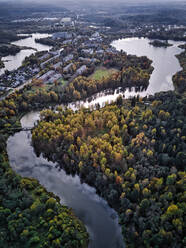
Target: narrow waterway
x=13 y=62
x=101 y=221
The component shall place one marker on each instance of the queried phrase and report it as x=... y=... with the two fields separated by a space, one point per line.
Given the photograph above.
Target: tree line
x=133 y=153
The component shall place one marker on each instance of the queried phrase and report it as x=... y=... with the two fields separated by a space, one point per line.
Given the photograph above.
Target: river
x=13 y=62
x=100 y=220
x=165 y=66
x=88 y=206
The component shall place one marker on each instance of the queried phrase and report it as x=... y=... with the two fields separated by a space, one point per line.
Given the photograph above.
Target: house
x=4 y=89
x=96 y=35
x=68 y=58
x=49 y=61
x=60 y=50
x=94 y=60
x=47 y=75
x=66 y=42
x=79 y=37
x=100 y=52
x=57 y=65
x=65 y=19
x=54 y=77
x=67 y=68
x=53 y=53
x=35 y=70
x=87 y=60
x=88 y=51
x=98 y=40
x=45 y=56
x=111 y=50
x=89 y=44
x=81 y=70
x=62 y=35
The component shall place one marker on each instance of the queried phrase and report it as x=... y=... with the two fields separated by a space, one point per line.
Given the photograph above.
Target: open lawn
x=101 y=72
x=63 y=82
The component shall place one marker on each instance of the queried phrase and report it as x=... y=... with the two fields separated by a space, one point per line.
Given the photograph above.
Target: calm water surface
x=165 y=66
x=101 y=221
x=14 y=62
x=89 y=207
x=164 y=61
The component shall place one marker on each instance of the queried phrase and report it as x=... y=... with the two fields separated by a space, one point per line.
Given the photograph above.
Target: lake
x=13 y=62
x=101 y=221
x=165 y=66
x=164 y=60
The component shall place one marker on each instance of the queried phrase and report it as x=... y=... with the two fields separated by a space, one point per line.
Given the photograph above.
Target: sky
x=64 y=3
x=90 y=1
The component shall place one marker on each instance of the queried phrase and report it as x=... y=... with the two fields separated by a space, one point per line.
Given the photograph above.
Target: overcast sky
x=87 y=2
x=90 y=1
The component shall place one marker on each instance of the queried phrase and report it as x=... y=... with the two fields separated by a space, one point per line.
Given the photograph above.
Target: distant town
x=78 y=47
x=92 y=123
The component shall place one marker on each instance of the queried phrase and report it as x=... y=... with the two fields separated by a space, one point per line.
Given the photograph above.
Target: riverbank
x=1 y=64
x=46 y=41
x=100 y=220
x=15 y=53
x=8 y=49
x=107 y=170
x=27 y=99
x=120 y=70
x=121 y=151
x=17 y=103
x=19 y=224
x=179 y=79
x=9 y=36
x=161 y=78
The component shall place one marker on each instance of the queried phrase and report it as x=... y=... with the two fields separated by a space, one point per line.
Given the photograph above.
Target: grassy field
x=101 y=72
x=63 y=82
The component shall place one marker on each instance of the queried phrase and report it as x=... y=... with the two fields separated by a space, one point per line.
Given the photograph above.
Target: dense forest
x=32 y=217
x=6 y=50
x=158 y=43
x=29 y=215
x=27 y=210
x=1 y=64
x=132 y=71
x=179 y=78
x=133 y=153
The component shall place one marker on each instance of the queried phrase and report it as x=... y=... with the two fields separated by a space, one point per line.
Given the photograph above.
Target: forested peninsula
x=179 y=79
x=132 y=151
x=31 y=216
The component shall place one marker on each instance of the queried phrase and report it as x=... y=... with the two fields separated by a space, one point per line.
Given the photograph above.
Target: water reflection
x=165 y=66
x=14 y=62
x=88 y=206
x=164 y=61
x=106 y=96
x=101 y=221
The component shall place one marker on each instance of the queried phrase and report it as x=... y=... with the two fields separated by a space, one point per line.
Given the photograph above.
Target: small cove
x=13 y=62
